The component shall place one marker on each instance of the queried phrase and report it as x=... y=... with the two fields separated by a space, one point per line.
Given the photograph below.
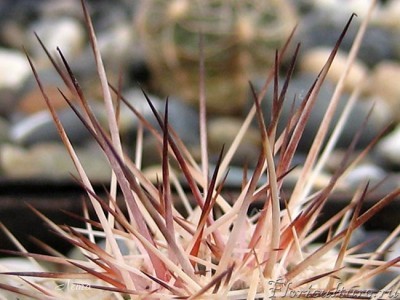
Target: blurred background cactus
x=240 y=38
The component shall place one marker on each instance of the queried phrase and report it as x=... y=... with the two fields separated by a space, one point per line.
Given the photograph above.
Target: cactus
x=240 y=39
x=198 y=252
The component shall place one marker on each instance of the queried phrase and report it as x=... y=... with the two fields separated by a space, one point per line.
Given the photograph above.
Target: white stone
x=363 y=173
x=360 y=7
x=314 y=60
x=389 y=147
x=116 y=44
x=134 y=96
x=16 y=264
x=384 y=81
x=25 y=127
x=14 y=68
x=389 y=15
x=66 y=33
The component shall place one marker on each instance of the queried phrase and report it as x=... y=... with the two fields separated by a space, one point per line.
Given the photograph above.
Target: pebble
x=61 y=9
x=39 y=128
x=314 y=60
x=363 y=173
x=11 y=33
x=372 y=239
x=51 y=161
x=182 y=117
x=127 y=119
x=383 y=279
x=4 y=131
x=31 y=99
x=388 y=148
x=379 y=44
x=117 y=44
x=384 y=81
x=394 y=251
x=336 y=158
x=298 y=90
x=360 y=7
x=20 y=12
x=106 y=14
x=389 y=14
x=7 y=102
x=14 y=68
x=322 y=27
x=223 y=130
x=16 y=264
x=319 y=183
x=63 y=32
x=76 y=253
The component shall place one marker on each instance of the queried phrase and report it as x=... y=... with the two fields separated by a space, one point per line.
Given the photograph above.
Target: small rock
x=313 y=61
x=76 y=253
x=106 y=14
x=394 y=252
x=11 y=33
x=51 y=160
x=40 y=127
x=31 y=99
x=319 y=183
x=20 y=11
x=118 y=49
x=385 y=278
x=363 y=173
x=388 y=148
x=4 y=131
x=322 y=27
x=223 y=130
x=16 y=264
x=184 y=119
x=117 y=44
x=372 y=239
x=7 y=101
x=94 y=162
x=234 y=178
x=298 y=89
x=54 y=9
x=389 y=14
x=151 y=152
x=381 y=280
x=336 y=158
x=360 y=7
x=384 y=81
x=14 y=68
x=379 y=44
x=63 y=32
x=47 y=159
x=135 y=97
x=181 y=117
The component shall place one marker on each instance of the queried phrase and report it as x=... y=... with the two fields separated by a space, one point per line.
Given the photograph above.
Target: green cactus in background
x=240 y=39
